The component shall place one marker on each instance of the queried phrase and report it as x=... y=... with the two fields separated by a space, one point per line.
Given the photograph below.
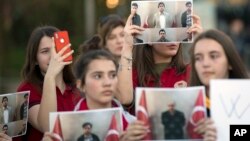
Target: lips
x=108 y=93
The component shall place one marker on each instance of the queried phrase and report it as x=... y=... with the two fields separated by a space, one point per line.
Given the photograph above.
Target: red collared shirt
x=65 y=102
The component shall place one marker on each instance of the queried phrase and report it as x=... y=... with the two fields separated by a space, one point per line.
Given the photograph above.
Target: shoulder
x=95 y=136
x=25 y=86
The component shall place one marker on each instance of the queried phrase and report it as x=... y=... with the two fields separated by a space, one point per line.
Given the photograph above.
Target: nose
x=107 y=81
x=206 y=61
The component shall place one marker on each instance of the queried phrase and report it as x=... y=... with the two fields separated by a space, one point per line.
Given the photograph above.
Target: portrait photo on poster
x=171 y=113
x=163 y=20
x=14 y=113
x=99 y=124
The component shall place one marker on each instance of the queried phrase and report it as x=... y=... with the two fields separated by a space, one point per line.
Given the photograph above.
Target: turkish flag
x=113 y=134
x=57 y=131
x=145 y=24
x=142 y=114
x=198 y=113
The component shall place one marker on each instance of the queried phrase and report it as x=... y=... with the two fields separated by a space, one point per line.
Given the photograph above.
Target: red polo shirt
x=84 y=106
x=65 y=102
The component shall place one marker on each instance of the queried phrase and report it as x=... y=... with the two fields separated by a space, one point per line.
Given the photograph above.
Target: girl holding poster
x=213 y=56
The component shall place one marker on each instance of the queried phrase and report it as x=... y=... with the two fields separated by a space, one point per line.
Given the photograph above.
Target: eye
x=113 y=75
x=214 y=55
x=45 y=51
x=97 y=76
x=111 y=37
x=122 y=34
x=198 y=58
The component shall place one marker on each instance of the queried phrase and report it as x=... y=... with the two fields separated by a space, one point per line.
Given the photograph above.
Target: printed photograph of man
x=162 y=34
x=173 y=121
x=87 y=133
x=6 y=112
x=186 y=18
x=162 y=19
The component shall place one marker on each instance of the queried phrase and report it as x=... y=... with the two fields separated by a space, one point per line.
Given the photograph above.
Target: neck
x=162 y=59
x=94 y=105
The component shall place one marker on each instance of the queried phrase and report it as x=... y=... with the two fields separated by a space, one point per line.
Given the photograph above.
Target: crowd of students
x=109 y=65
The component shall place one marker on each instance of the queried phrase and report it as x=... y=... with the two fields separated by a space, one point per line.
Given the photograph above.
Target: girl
x=213 y=56
x=96 y=73
x=49 y=80
x=111 y=31
x=157 y=65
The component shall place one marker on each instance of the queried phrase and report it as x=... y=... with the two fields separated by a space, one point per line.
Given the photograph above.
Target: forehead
x=45 y=42
x=117 y=30
x=207 y=45
x=101 y=65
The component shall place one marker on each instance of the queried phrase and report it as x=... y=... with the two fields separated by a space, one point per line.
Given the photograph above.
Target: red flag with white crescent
x=113 y=134
x=57 y=131
x=198 y=113
x=142 y=114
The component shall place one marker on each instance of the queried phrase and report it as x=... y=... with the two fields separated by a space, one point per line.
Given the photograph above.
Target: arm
x=39 y=116
x=125 y=82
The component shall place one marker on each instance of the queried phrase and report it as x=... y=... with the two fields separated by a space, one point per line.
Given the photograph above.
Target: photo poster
x=14 y=113
x=169 y=26
x=153 y=106
x=230 y=105
x=106 y=123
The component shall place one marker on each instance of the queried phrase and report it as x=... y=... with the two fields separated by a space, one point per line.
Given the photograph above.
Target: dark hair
x=160 y=4
x=25 y=95
x=135 y=4
x=90 y=50
x=238 y=69
x=143 y=63
x=31 y=71
x=187 y=3
x=5 y=97
x=5 y=125
x=162 y=30
x=86 y=124
x=107 y=24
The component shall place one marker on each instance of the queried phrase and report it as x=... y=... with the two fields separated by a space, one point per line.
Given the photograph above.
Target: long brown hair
x=107 y=24
x=238 y=69
x=144 y=64
x=31 y=72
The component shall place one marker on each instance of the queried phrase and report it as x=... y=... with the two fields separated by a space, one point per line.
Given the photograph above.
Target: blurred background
x=80 y=18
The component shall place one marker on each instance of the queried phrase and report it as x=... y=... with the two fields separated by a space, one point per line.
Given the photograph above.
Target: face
x=87 y=130
x=189 y=7
x=134 y=9
x=162 y=34
x=210 y=61
x=165 y=52
x=100 y=82
x=171 y=106
x=114 y=41
x=5 y=102
x=161 y=7
x=43 y=54
x=5 y=129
